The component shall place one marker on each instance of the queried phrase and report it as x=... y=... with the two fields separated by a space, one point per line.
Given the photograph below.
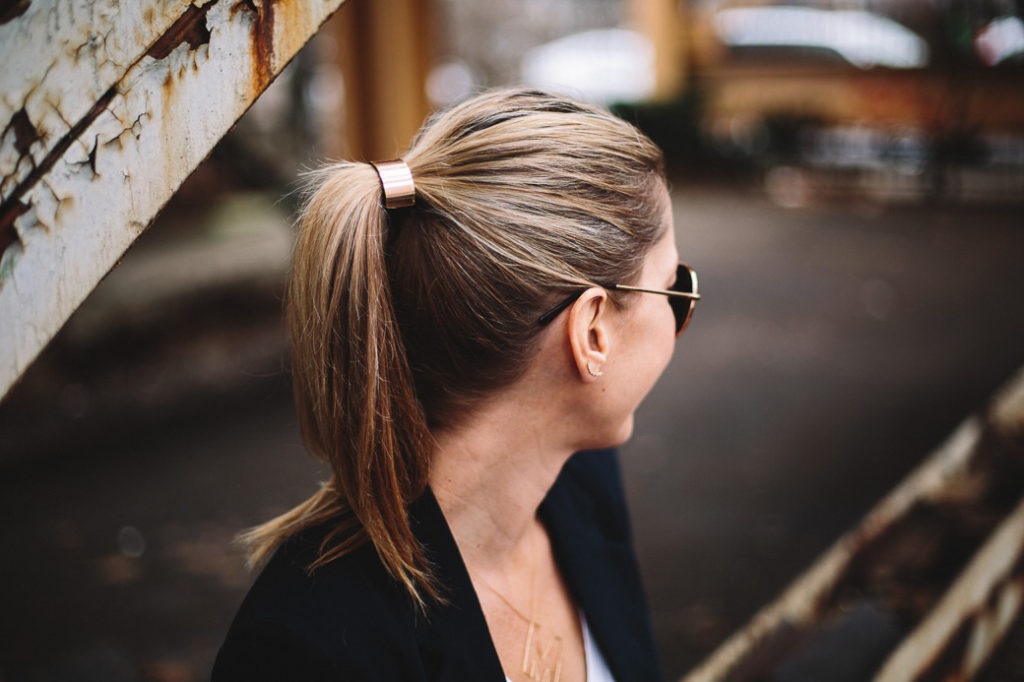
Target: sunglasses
x=682 y=297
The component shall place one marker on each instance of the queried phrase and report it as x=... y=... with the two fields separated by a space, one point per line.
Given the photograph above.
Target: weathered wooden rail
x=923 y=589
x=106 y=107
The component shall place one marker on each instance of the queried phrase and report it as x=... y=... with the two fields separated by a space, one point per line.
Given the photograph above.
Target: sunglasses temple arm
x=677 y=294
x=554 y=312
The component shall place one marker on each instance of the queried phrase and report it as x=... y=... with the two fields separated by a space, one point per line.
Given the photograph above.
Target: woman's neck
x=490 y=475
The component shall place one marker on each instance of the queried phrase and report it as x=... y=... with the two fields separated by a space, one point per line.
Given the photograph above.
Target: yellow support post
x=385 y=53
x=664 y=24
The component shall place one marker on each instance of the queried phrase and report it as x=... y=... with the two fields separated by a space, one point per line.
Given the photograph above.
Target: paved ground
x=835 y=347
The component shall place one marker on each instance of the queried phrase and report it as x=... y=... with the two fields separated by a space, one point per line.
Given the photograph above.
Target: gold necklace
x=540 y=663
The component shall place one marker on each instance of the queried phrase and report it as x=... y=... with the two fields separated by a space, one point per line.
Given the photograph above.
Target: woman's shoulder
x=346 y=618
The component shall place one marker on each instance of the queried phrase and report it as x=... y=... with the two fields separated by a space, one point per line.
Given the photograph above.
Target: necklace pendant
x=541 y=663
x=526 y=650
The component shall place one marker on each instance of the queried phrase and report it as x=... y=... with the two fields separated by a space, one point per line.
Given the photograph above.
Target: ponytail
x=353 y=389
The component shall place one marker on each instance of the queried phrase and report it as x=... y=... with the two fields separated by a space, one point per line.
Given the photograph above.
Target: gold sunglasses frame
x=693 y=296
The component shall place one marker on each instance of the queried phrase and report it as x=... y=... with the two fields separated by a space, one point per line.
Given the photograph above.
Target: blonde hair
x=400 y=321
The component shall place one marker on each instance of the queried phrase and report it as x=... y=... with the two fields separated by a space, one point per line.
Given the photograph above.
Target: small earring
x=593 y=372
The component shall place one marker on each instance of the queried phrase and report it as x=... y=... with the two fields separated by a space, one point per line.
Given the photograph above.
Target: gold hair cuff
x=396 y=179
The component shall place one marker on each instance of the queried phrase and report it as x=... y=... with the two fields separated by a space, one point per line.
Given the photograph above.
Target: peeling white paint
x=163 y=120
x=59 y=57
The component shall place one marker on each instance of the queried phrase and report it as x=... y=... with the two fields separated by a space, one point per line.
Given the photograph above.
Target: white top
x=597 y=669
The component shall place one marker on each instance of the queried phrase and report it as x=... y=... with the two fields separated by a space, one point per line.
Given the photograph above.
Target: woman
x=450 y=357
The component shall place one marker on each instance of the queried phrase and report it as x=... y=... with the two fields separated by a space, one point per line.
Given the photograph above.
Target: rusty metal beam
x=975 y=610
x=107 y=107
x=800 y=604
x=964 y=628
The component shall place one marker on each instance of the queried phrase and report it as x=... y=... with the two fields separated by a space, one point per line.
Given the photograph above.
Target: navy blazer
x=351 y=621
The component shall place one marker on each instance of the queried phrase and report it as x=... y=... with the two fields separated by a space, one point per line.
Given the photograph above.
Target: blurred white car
x=602 y=67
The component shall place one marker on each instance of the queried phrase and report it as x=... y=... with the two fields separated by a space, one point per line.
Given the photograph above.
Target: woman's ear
x=589 y=332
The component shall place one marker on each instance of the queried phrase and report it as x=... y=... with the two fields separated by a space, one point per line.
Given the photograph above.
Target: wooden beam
x=154 y=85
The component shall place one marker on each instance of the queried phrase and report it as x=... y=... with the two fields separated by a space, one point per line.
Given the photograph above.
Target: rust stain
x=9 y=212
x=12 y=10
x=24 y=132
x=295 y=23
x=91 y=158
x=948 y=660
x=10 y=206
x=64 y=204
x=262 y=40
x=189 y=28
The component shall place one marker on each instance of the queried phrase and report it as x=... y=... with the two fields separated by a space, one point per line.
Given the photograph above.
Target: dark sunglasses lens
x=682 y=308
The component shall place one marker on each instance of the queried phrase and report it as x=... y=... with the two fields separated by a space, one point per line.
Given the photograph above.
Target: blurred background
x=847 y=178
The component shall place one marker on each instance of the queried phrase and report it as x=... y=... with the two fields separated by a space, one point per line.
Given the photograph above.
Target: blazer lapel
x=585 y=516
x=453 y=638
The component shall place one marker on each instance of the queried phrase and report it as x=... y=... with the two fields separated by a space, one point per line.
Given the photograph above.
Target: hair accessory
x=593 y=372
x=396 y=179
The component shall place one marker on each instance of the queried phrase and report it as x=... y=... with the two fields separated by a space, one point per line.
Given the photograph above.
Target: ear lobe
x=589 y=333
